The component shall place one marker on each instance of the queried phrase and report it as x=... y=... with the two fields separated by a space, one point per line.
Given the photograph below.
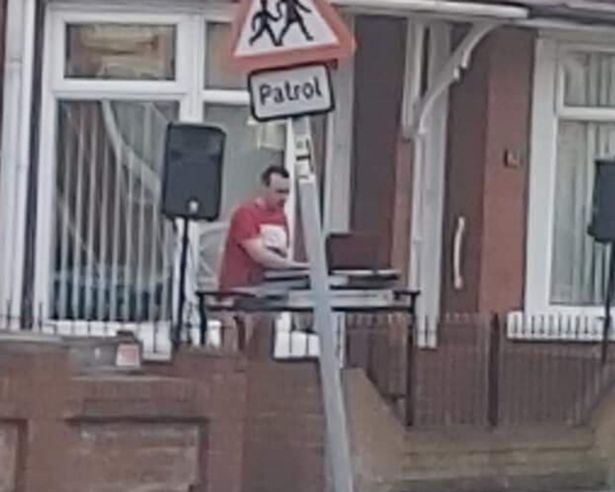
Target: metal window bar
x=111 y=247
x=127 y=269
x=140 y=284
x=92 y=188
x=116 y=220
x=78 y=207
x=63 y=211
x=103 y=278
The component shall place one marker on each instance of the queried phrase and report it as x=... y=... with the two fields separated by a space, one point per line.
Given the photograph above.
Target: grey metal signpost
x=338 y=443
x=288 y=79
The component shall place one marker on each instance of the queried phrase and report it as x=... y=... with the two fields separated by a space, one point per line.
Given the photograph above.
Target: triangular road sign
x=275 y=33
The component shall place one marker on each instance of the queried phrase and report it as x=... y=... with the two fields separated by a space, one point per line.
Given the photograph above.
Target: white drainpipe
x=15 y=153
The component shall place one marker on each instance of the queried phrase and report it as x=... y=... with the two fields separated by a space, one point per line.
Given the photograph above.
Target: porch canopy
x=578 y=11
x=443 y=9
x=589 y=11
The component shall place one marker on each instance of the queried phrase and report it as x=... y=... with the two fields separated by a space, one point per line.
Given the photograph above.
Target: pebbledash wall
x=205 y=422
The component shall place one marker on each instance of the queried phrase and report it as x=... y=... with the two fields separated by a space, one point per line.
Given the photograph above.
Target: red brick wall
x=489 y=116
x=505 y=199
x=9 y=433
x=378 y=94
x=205 y=422
x=464 y=179
x=284 y=444
x=131 y=455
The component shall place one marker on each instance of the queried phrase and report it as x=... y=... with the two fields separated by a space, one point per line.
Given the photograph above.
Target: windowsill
x=559 y=323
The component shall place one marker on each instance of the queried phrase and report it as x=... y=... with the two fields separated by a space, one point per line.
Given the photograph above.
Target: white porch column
x=425 y=123
x=428 y=187
x=15 y=152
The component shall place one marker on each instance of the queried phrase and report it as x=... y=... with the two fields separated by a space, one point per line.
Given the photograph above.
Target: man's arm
x=266 y=257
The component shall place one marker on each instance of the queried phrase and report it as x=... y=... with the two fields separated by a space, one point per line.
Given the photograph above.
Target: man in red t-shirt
x=257 y=239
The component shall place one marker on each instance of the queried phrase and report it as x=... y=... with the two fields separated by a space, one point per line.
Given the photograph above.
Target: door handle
x=458 y=241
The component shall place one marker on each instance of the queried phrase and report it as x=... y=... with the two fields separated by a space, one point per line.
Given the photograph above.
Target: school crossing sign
x=280 y=33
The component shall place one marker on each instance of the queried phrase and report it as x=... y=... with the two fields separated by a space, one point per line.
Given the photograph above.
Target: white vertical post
x=338 y=449
x=15 y=153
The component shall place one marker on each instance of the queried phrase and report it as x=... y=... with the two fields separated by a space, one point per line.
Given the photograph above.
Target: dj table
x=288 y=291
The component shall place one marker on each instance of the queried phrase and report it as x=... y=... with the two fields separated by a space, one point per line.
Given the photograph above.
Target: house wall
x=487 y=173
x=378 y=87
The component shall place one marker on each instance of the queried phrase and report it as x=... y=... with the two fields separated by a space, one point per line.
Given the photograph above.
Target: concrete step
x=517 y=463
x=460 y=440
x=569 y=481
x=557 y=456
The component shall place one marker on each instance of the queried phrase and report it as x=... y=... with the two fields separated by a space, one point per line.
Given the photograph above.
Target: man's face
x=276 y=193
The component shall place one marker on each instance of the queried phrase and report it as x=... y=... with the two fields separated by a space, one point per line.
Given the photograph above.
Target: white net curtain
x=113 y=250
x=579 y=264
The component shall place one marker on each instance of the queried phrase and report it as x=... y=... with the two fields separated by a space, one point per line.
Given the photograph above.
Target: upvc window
x=573 y=123
x=113 y=83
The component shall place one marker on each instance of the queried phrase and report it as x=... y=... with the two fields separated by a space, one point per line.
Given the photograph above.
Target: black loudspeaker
x=602 y=225
x=192 y=178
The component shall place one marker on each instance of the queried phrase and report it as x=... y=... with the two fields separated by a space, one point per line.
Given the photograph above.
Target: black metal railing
x=502 y=370
x=481 y=370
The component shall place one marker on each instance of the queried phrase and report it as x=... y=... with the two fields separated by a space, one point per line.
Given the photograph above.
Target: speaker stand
x=183 y=264
x=607 y=305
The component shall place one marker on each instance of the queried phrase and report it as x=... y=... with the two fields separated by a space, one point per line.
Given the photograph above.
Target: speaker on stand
x=602 y=229
x=191 y=188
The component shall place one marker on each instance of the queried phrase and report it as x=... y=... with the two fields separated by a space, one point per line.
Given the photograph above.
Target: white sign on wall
x=295 y=91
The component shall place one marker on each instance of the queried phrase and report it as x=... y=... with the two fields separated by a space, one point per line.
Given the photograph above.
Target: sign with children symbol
x=275 y=33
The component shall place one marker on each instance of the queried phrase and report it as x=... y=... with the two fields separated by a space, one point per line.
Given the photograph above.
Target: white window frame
x=547 y=110
x=188 y=89
x=56 y=87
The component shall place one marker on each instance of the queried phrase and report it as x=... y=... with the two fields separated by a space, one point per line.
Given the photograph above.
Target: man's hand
x=267 y=258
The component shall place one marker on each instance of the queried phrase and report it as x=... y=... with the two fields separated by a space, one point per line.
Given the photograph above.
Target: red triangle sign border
x=344 y=48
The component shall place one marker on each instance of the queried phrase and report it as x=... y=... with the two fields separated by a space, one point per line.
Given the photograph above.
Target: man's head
x=276 y=186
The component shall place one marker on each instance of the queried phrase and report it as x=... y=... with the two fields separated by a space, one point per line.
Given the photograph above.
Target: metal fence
x=467 y=370
x=501 y=370
x=458 y=370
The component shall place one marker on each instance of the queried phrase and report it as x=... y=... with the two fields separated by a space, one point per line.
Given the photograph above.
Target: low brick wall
x=203 y=422
x=285 y=429
x=9 y=445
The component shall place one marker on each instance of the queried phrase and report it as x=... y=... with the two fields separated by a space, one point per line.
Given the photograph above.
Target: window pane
x=579 y=264
x=112 y=249
x=217 y=73
x=250 y=148
x=120 y=51
x=589 y=79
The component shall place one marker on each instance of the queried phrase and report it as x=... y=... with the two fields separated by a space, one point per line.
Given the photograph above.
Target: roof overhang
x=579 y=11
x=588 y=12
x=442 y=9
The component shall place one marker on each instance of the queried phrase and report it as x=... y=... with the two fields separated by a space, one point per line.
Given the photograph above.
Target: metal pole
x=410 y=371
x=493 y=372
x=607 y=306
x=183 y=263
x=338 y=449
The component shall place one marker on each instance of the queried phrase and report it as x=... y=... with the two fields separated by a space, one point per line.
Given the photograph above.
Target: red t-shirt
x=251 y=220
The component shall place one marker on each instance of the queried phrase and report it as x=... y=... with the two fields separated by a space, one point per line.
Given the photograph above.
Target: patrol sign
x=295 y=91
